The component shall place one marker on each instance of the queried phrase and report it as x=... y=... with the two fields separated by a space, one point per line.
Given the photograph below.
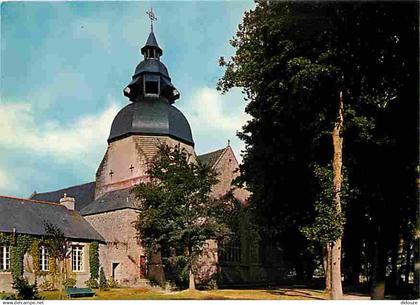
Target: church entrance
x=114 y=266
x=143 y=266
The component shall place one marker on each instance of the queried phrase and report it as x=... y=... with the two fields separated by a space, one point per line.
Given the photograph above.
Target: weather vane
x=152 y=17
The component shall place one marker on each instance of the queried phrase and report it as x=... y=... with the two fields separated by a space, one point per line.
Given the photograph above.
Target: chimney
x=68 y=202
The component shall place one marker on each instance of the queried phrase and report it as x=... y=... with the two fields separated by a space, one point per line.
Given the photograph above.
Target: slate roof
x=112 y=201
x=151 y=66
x=151 y=42
x=83 y=194
x=211 y=157
x=29 y=216
x=151 y=117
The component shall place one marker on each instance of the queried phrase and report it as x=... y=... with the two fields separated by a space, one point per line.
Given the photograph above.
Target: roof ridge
x=211 y=152
x=31 y=200
x=65 y=188
x=220 y=156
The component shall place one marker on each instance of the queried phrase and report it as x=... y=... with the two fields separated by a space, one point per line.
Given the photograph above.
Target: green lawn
x=222 y=294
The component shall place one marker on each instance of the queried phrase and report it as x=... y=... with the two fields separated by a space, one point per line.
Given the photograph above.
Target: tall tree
x=177 y=212
x=292 y=59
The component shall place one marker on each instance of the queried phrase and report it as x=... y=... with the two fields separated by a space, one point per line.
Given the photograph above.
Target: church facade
x=104 y=211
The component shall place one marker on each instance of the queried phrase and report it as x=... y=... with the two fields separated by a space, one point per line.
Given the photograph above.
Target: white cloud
x=215 y=118
x=7 y=182
x=210 y=111
x=82 y=139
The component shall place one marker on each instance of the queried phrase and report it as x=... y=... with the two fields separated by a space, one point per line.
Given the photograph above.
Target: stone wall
x=6 y=282
x=127 y=159
x=28 y=271
x=122 y=245
x=228 y=169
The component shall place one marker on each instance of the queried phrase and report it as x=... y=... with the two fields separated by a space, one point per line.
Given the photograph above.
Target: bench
x=79 y=292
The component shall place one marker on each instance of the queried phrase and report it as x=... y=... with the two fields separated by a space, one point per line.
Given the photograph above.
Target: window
x=151 y=87
x=43 y=259
x=77 y=258
x=4 y=258
x=229 y=251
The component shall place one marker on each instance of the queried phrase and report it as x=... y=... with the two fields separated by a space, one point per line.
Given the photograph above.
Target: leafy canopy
x=177 y=210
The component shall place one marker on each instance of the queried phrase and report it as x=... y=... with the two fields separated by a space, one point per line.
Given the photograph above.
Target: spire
x=151 y=79
x=151 y=49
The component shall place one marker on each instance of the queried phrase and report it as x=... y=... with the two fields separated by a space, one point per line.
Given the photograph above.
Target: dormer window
x=151 y=85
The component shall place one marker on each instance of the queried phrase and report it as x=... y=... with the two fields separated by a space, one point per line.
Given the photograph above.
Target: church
x=103 y=211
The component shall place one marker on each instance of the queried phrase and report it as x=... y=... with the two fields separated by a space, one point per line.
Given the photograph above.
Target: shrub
x=92 y=283
x=47 y=286
x=113 y=283
x=25 y=291
x=210 y=285
x=69 y=282
x=103 y=285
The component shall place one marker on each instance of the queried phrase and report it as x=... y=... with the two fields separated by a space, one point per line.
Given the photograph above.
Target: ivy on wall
x=34 y=252
x=21 y=244
x=94 y=260
x=18 y=250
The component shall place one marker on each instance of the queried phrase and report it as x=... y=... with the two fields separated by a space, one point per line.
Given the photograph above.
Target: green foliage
x=113 y=283
x=329 y=222
x=92 y=283
x=18 y=251
x=5 y=239
x=177 y=213
x=94 y=260
x=56 y=242
x=291 y=60
x=25 y=291
x=103 y=284
x=34 y=252
x=176 y=271
x=211 y=284
x=47 y=286
x=69 y=282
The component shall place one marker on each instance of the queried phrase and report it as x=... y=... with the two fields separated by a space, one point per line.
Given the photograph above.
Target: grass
x=222 y=294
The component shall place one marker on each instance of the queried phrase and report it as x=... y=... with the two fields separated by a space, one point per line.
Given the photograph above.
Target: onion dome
x=152 y=95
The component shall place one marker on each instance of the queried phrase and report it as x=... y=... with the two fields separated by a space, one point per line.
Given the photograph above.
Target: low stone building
x=108 y=210
x=23 y=223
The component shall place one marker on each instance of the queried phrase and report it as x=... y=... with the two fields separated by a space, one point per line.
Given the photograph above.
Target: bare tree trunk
x=336 y=287
x=378 y=276
x=337 y=138
x=60 y=282
x=191 y=280
x=327 y=267
x=407 y=262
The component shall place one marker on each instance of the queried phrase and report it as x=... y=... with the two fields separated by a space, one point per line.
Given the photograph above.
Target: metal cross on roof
x=152 y=18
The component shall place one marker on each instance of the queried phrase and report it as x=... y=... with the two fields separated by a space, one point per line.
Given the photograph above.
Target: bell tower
x=148 y=120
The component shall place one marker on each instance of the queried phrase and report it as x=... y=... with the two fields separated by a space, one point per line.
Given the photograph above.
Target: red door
x=143 y=266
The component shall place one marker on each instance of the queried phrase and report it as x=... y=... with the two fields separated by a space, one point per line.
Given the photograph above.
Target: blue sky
x=63 y=68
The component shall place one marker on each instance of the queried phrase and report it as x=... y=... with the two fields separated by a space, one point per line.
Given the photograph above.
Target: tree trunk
x=407 y=262
x=337 y=139
x=378 y=277
x=60 y=282
x=191 y=280
x=327 y=267
x=336 y=288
